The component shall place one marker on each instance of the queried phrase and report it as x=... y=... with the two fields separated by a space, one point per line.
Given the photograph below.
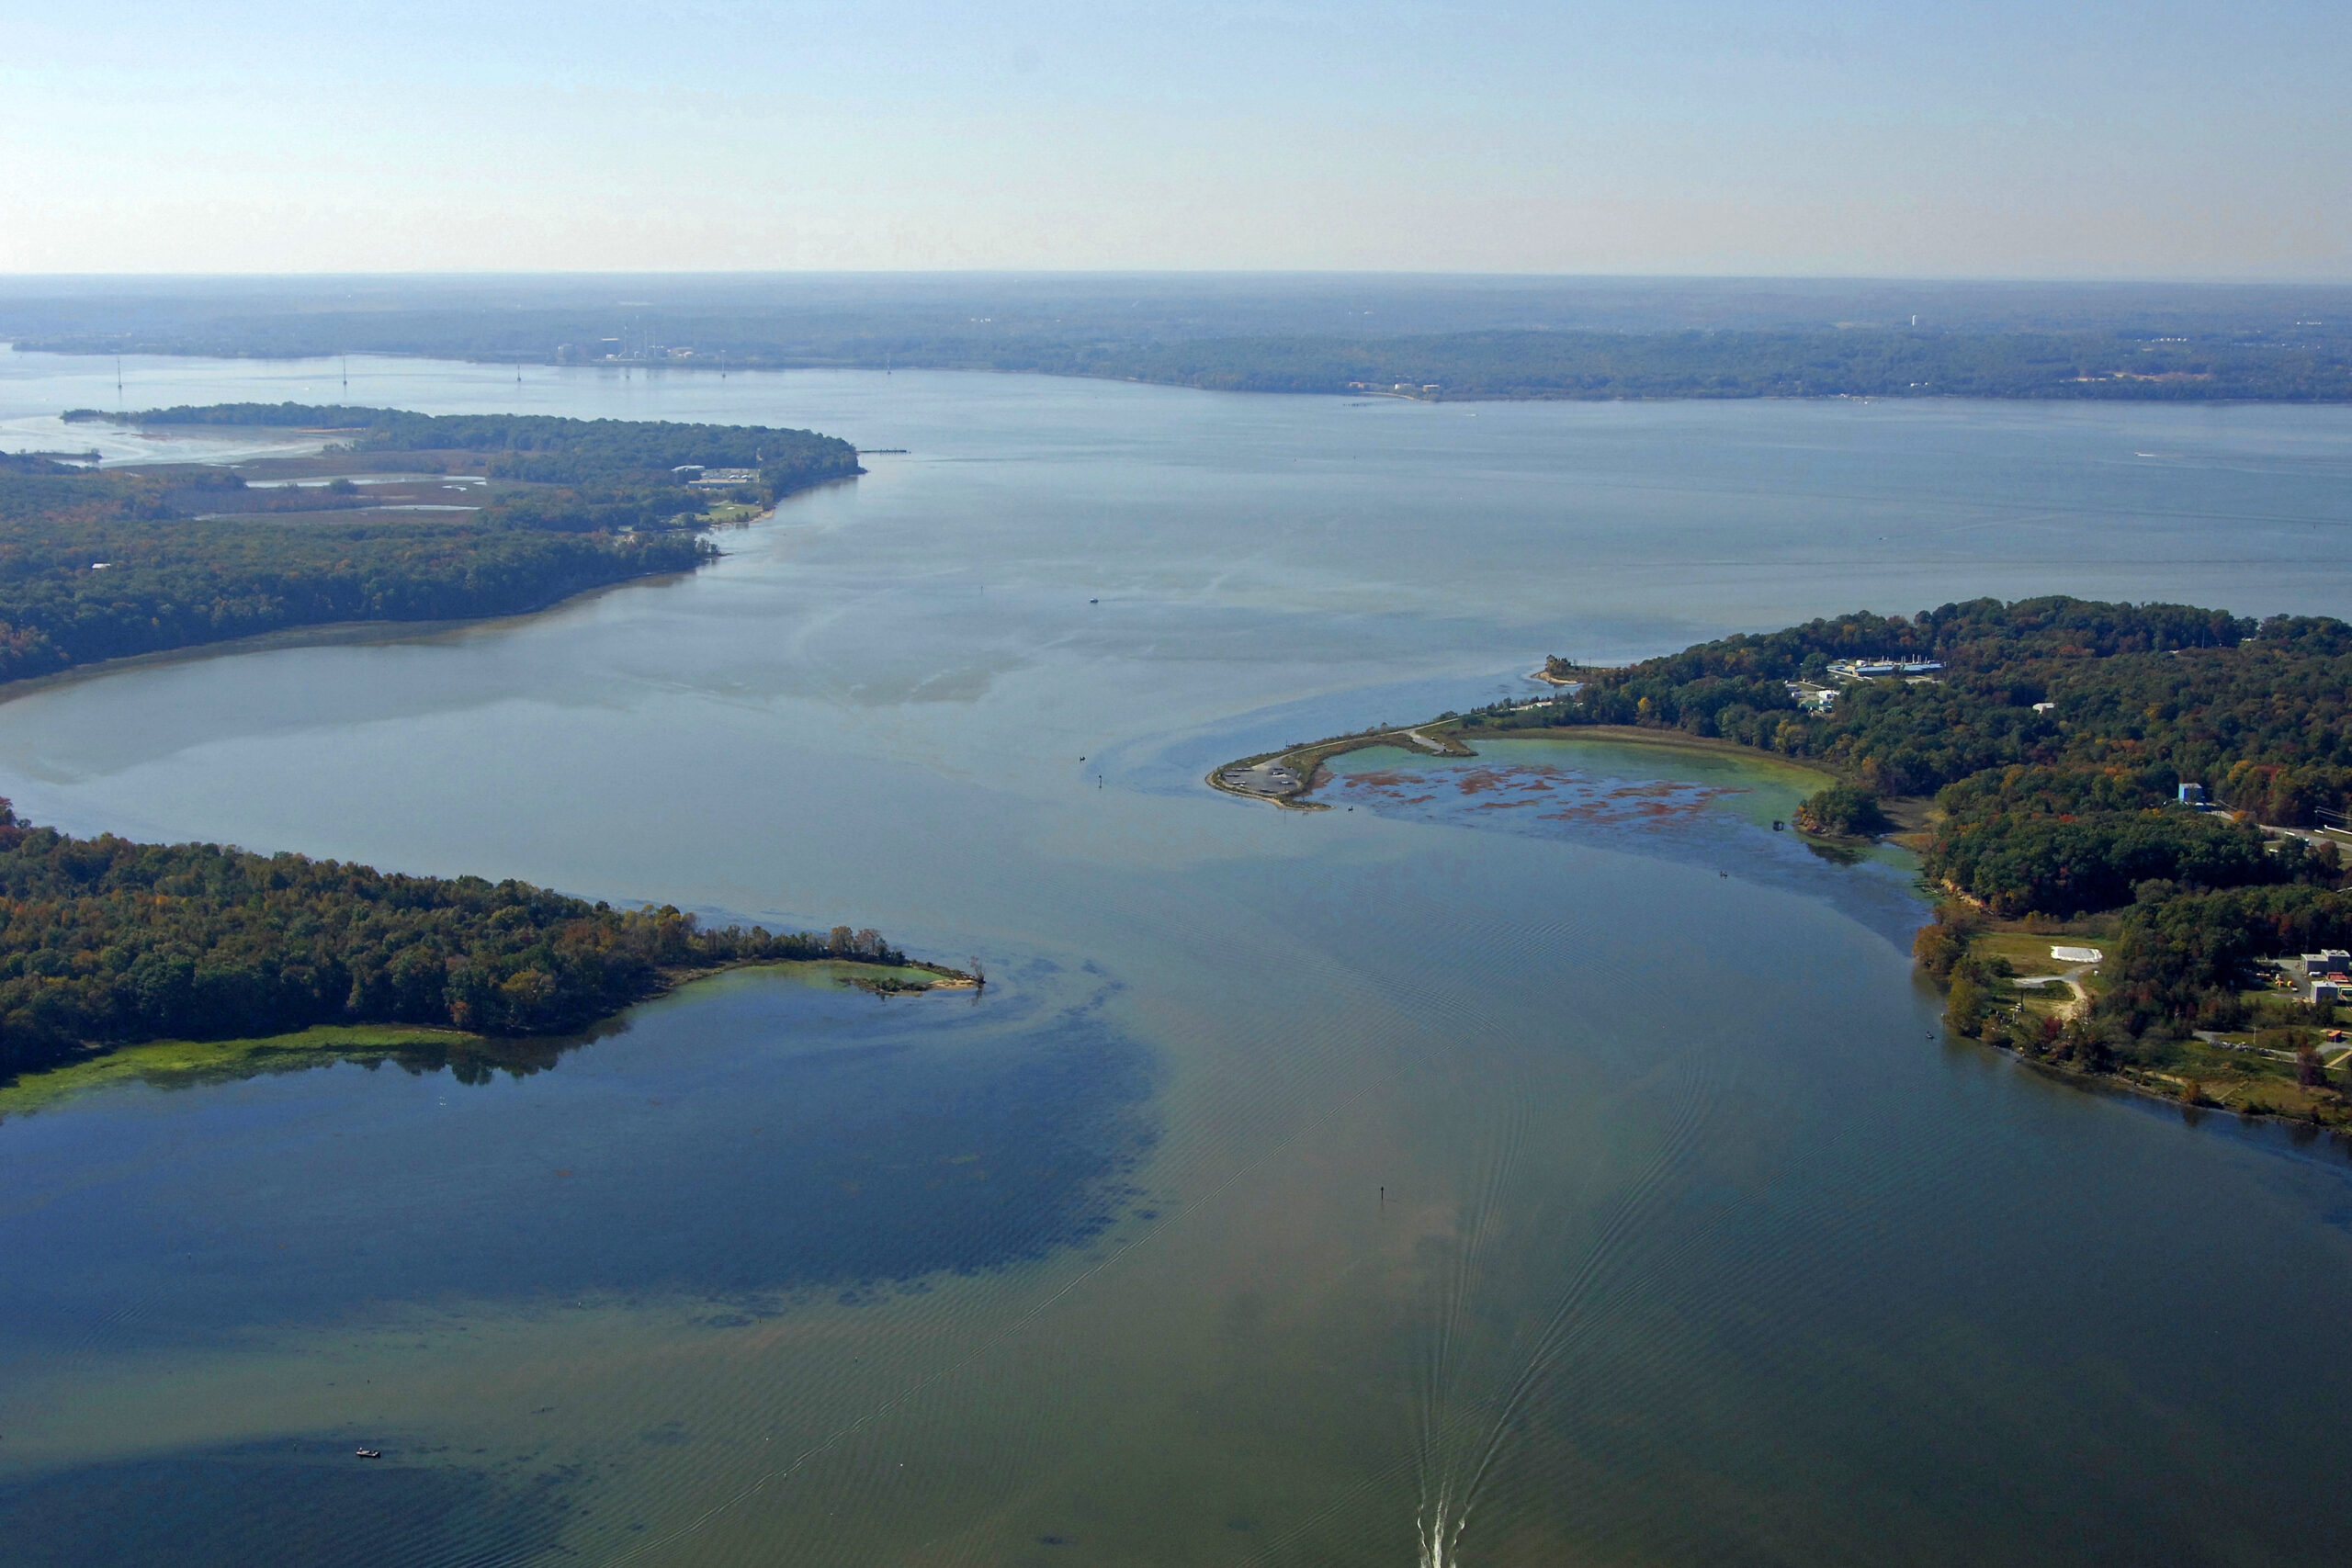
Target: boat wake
x=1465 y=1438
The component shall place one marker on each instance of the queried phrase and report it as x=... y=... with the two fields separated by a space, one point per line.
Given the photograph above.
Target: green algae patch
x=889 y=979
x=183 y=1063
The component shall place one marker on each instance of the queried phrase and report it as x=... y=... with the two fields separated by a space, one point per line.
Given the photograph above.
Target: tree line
x=105 y=942
x=542 y=448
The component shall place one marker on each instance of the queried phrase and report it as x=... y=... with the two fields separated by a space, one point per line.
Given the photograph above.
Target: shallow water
x=1719 y=809
x=1555 y=1183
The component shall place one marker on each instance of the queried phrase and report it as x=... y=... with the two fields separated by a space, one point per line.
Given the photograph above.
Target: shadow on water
x=750 y=1143
x=294 y=1503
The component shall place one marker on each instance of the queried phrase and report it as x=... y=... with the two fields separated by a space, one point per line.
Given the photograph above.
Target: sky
x=1997 y=139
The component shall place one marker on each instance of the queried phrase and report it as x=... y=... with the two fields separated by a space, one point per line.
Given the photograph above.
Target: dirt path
x=2072 y=980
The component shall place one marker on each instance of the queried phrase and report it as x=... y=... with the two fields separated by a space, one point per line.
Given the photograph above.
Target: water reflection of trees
x=478 y=1063
x=474 y=1061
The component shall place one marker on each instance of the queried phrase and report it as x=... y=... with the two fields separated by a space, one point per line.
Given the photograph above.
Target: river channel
x=1530 y=1160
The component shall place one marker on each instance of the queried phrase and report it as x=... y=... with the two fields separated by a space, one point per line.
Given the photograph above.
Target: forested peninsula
x=2049 y=742
x=103 y=565
x=107 y=942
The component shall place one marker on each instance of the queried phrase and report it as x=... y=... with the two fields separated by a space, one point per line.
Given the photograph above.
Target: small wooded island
x=2159 y=785
x=405 y=517
x=109 y=943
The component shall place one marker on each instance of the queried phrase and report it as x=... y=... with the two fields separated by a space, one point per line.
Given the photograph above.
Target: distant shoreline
x=2153 y=392
x=2300 y=365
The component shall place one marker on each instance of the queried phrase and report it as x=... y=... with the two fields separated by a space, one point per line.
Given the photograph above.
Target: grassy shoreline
x=2258 y=1096
x=183 y=1063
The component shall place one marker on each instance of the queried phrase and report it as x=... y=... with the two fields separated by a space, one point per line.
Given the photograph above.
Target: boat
x=371 y=1453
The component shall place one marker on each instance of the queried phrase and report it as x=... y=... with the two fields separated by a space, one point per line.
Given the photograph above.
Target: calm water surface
x=1542 y=1161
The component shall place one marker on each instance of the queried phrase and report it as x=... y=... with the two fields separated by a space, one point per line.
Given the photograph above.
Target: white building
x=2326 y=971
